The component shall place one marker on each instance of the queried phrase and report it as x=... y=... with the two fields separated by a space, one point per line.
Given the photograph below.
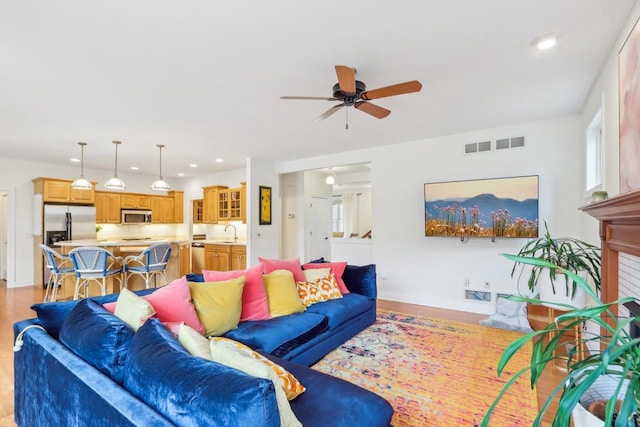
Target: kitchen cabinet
x=197 y=211
x=232 y=205
x=217 y=257
x=238 y=257
x=162 y=210
x=135 y=201
x=55 y=190
x=210 y=203
x=185 y=258
x=178 y=206
x=107 y=207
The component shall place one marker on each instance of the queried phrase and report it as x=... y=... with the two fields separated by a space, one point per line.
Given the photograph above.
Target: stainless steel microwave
x=135 y=216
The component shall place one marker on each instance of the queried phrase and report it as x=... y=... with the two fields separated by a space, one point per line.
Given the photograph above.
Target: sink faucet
x=235 y=232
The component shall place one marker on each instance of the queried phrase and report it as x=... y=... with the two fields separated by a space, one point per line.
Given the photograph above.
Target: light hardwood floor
x=15 y=305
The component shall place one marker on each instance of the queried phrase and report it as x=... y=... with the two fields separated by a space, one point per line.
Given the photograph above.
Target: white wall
x=431 y=271
x=262 y=240
x=605 y=93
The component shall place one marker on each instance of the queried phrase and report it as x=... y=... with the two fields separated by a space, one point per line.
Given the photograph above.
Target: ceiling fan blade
x=372 y=109
x=398 y=89
x=346 y=78
x=329 y=112
x=321 y=98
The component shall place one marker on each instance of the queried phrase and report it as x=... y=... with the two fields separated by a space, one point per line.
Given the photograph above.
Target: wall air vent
x=514 y=142
x=477 y=147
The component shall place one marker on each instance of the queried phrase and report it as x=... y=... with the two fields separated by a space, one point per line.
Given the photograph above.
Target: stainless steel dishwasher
x=197 y=257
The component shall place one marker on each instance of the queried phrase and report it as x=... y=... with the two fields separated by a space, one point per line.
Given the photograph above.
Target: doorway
x=319 y=228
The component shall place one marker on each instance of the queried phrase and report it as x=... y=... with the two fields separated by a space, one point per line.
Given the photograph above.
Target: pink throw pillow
x=255 y=305
x=292 y=265
x=172 y=303
x=337 y=269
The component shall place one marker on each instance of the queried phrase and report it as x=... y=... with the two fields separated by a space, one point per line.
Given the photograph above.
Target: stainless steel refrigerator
x=67 y=222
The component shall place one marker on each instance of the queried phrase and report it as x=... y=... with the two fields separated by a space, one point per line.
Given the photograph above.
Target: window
x=337 y=216
x=594 y=152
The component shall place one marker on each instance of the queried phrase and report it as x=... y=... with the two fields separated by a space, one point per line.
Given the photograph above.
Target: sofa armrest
x=361 y=279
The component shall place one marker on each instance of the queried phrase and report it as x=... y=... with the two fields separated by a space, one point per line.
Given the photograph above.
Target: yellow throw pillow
x=218 y=304
x=290 y=384
x=282 y=293
x=132 y=309
x=196 y=344
x=227 y=354
x=321 y=289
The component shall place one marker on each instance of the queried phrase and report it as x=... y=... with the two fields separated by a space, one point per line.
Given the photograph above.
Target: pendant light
x=160 y=184
x=81 y=183
x=331 y=178
x=115 y=183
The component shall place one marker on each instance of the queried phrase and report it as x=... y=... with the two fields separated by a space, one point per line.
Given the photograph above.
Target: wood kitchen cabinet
x=238 y=257
x=210 y=203
x=232 y=205
x=135 y=201
x=197 y=211
x=217 y=257
x=162 y=210
x=107 y=207
x=178 y=206
x=55 y=190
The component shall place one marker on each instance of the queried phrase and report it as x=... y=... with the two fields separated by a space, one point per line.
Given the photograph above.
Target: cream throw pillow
x=315 y=273
x=132 y=309
x=228 y=354
x=195 y=343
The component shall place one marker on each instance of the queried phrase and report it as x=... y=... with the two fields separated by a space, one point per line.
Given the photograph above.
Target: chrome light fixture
x=160 y=184
x=82 y=183
x=115 y=183
x=331 y=178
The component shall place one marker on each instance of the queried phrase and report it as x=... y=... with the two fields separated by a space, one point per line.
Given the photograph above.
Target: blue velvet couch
x=89 y=370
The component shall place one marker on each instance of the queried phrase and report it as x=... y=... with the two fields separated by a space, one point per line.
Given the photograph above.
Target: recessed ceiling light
x=193 y=165
x=219 y=160
x=74 y=160
x=134 y=168
x=180 y=174
x=545 y=42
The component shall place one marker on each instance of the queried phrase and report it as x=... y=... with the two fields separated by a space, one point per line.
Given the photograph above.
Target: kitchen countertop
x=119 y=242
x=222 y=242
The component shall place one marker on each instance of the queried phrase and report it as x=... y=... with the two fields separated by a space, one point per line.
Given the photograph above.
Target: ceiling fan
x=353 y=93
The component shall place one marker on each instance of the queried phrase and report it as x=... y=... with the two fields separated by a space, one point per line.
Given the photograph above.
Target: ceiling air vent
x=476 y=147
x=514 y=142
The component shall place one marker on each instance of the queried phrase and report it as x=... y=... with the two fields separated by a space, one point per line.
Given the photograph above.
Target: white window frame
x=593 y=154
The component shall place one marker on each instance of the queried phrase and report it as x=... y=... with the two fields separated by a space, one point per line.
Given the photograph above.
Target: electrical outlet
x=467 y=283
x=487 y=284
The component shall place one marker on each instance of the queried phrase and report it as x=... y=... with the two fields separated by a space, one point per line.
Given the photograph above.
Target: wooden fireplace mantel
x=619 y=219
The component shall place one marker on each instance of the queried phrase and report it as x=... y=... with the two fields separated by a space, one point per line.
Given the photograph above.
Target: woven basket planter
x=602 y=389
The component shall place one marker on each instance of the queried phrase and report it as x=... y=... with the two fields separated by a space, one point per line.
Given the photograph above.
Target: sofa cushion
x=226 y=353
x=218 y=304
x=338 y=311
x=361 y=279
x=172 y=303
x=331 y=401
x=52 y=314
x=337 y=268
x=292 y=265
x=97 y=337
x=282 y=293
x=191 y=391
x=280 y=335
x=254 y=297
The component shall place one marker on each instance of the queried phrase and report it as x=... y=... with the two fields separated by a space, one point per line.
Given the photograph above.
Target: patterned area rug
x=435 y=373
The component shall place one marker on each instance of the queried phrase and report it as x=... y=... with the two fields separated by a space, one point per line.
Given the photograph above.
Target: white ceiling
x=205 y=77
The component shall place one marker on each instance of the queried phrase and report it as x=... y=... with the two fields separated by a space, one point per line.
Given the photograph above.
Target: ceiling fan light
x=82 y=183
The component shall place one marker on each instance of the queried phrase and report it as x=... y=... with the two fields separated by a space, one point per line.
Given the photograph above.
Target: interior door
x=319 y=228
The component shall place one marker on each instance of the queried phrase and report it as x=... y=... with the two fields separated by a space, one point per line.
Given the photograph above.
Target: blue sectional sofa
x=87 y=375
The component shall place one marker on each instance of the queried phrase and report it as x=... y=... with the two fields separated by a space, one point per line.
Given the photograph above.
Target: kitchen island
x=179 y=262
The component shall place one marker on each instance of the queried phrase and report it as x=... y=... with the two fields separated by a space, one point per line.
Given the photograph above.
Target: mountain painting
x=500 y=207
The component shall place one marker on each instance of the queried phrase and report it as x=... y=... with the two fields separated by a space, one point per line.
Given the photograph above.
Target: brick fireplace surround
x=620 y=235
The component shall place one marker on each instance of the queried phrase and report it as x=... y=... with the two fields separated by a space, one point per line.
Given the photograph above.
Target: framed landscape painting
x=500 y=207
x=629 y=105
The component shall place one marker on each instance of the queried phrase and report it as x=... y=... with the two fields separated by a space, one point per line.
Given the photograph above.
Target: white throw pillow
x=315 y=273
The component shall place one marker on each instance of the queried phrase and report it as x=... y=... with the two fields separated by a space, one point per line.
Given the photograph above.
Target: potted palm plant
x=556 y=288
x=617 y=361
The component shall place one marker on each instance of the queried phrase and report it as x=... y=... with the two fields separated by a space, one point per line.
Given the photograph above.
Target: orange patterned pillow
x=290 y=384
x=321 y=289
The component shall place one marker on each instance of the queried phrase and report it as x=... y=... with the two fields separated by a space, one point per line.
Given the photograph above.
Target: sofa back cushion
x=189 y=390
x=97 y=337
x=361 y=279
